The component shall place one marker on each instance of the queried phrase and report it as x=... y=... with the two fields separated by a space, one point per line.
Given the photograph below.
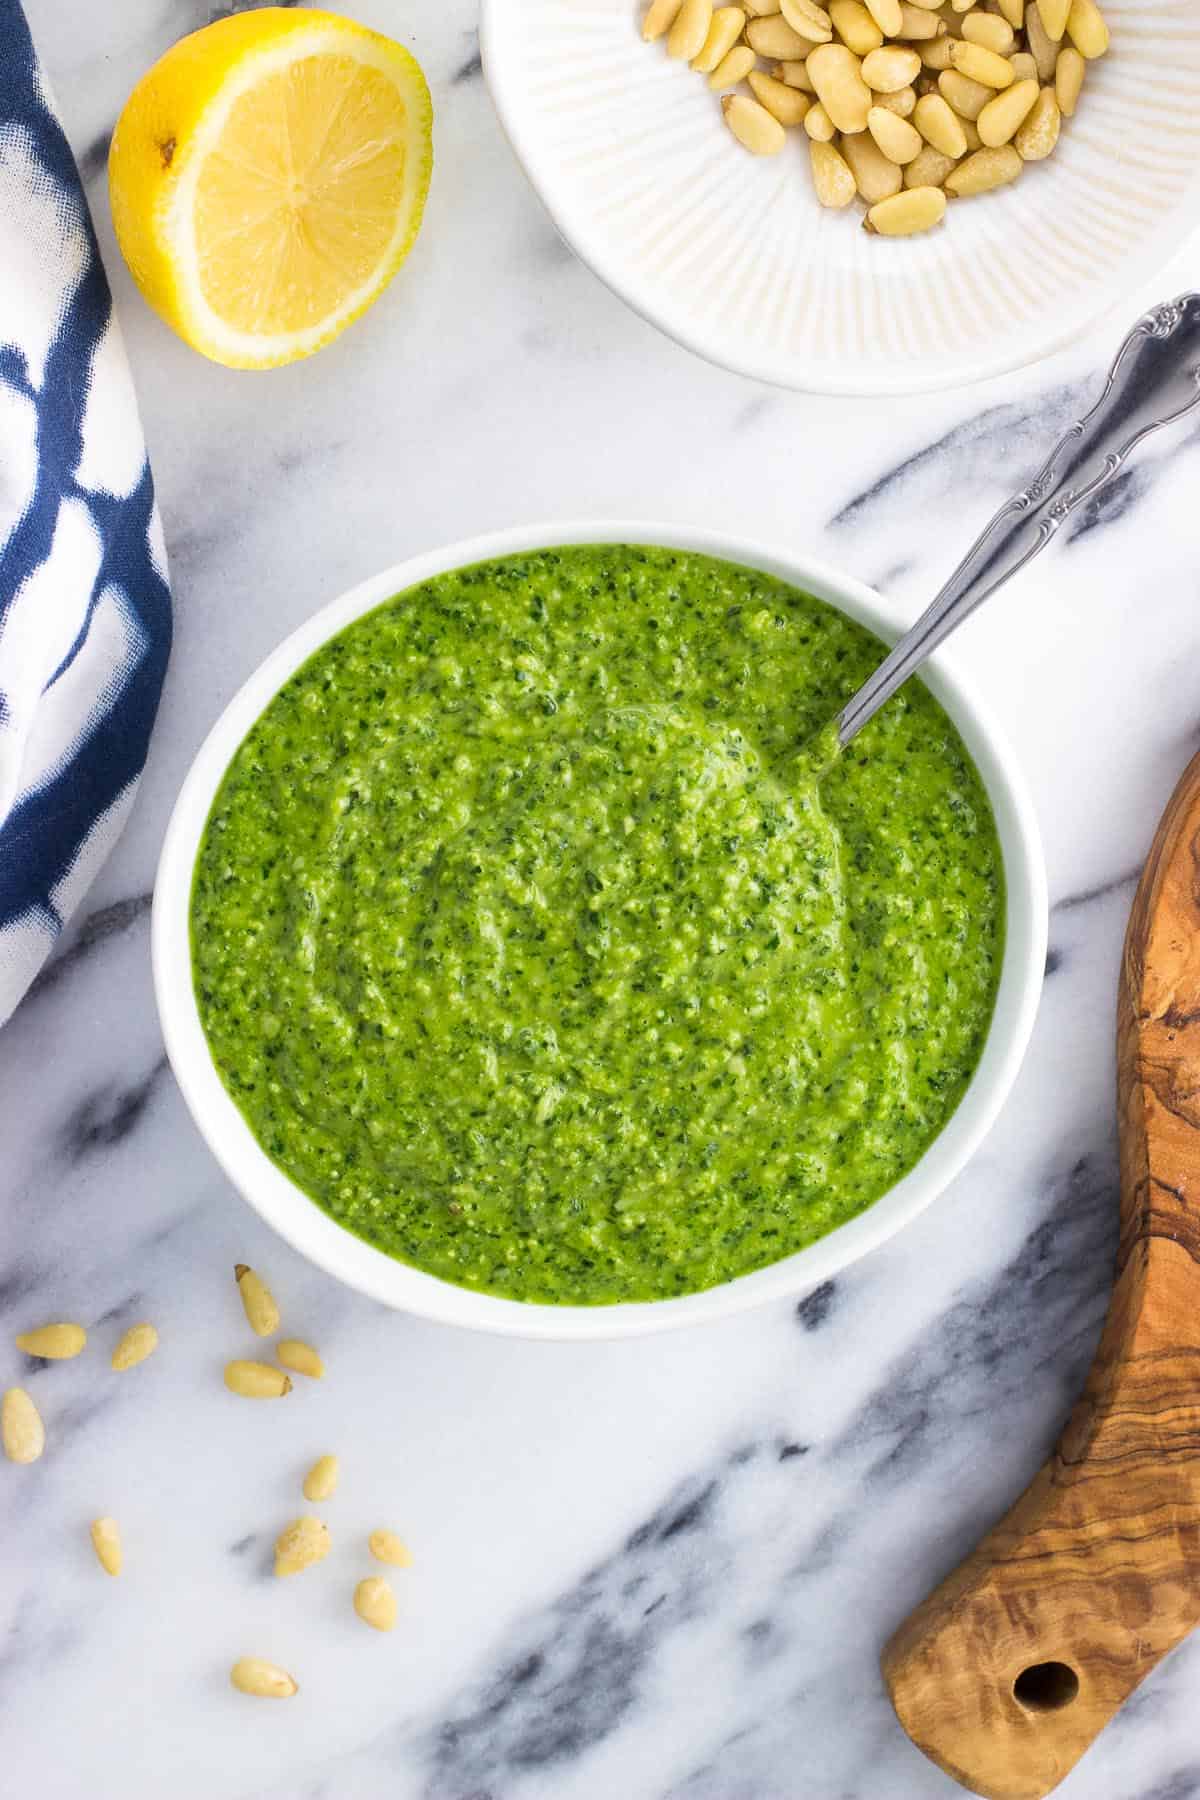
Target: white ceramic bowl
x=731 y=254
x=311 y=1231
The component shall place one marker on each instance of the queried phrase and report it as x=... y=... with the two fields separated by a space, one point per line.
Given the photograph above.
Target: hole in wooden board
x=1046 y=1686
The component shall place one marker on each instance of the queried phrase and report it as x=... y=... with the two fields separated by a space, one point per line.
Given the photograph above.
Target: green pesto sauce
x=531 y=945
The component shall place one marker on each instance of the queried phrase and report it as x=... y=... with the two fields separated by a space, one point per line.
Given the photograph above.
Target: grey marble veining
x=645 y=1571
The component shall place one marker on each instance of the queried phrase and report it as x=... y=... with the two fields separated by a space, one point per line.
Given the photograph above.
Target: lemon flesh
x=268 y=177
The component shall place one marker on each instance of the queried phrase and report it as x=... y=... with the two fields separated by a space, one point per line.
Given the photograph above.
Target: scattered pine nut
x=1068 y=79
x=1003 y=117
x=660 y=16
x=687 y=35
x=916 y=25
x=1024 y=66
x=1043 y=47
x=891 y=68
x=1054 y=17
x=981 y=65
x=304 y=1542
x=875 y=176
x=886 y=14
x=985 y=170
x=293 y=1353
x=990 y=30
x=55 y=1342
x=819 y=125
x=1013 y=11
x=774 y=38
x=940 y=125
x=936 y=54
x=837 y=77
x=752 y=125
x=386 y=1547
x=967 y=97
x=795 y=75
x=322 y=1479
x=262 y=1314
x=251 y=1675
x=21 y=1430
x=106 y=1542
x=375 y=1603
x=916 y=209
x=855 y=26
x=256 y=1380
x=902 y=102
x=832 y=179
x=139 y=1342
x=1039 y=132
x=808 y=19
x=728 y=23
x=734 y=68
x=898 y=140
x=1086 y=28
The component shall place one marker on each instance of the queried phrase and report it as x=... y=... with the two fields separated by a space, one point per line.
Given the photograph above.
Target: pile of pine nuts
x=904 y=102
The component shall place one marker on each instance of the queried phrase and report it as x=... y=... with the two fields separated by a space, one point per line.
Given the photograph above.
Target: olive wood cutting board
x=1010 y=1669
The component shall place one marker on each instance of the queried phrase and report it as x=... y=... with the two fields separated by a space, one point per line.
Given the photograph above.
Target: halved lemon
x=268 y=177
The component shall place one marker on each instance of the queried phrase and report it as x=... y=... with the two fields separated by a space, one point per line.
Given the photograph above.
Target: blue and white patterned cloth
x=85 y=611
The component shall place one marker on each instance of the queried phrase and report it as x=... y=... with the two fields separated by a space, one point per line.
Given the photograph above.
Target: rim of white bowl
x=298 y=1219
x=1091 y=306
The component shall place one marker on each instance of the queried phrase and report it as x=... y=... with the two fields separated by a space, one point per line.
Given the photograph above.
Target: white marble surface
x=649 y=1570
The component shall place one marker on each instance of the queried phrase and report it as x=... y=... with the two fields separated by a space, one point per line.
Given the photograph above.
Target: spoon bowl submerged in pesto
x=531 y=945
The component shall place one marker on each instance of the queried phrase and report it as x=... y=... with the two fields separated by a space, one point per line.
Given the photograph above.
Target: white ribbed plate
x=731 y=254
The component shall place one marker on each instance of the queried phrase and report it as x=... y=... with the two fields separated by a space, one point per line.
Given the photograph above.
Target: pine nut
x=106 y=1542
x=990 y=30
x=916 y=209
x=1003 y=117
x=890 y=69
x=256 y=1380
x=940 y=125
x=251 y=1675
x=1024 y=67
x=981 y=65
x=784 y=103
x=874 y=176
x=794 y=75
x=898 y=140
x=1039 y=131
x=936 y=53
x=21 y=1430
x=1042 y=47
x=725 y=29
x=928 y=5
x=819 y=125
x=808 y=19
x=971 y=133
x=902 y=102
x=258 y=1302
x=752 y=125
x=775 y=39
x=1054 y=17
x=917 y=26
x=1068 y=79
x=886 y=14
x=967 y=97
x=55 y=1342
x=139 y=1342
x=294 y=1354
x=832 y=179
x=304 y=1542
x=986 y=169
x=855 y=26
x=837 y=77
x=687 y=35
x=1086 y=28
x=375 y=1603
x=660 y=16
x=1013 y=11
x=734 y=68
x=322 y=1479
x=929 y=169
x=386 y=1547
x=759 y=9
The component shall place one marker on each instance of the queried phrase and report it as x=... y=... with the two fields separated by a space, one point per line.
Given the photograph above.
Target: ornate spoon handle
x=1154 y=379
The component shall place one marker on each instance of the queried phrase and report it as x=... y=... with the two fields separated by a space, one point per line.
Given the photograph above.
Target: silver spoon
x=1154 y=379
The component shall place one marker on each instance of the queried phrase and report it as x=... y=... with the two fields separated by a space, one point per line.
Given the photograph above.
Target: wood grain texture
x=1096 y=1570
